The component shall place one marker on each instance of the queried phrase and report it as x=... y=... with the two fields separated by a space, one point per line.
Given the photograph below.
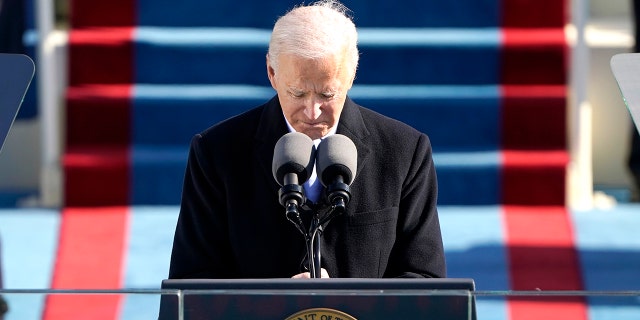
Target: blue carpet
x=606 y=240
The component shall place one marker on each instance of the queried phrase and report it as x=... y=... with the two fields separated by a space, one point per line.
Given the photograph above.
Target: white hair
x=315 y=31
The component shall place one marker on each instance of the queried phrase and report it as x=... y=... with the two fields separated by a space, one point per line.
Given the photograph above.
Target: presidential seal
x=320 y=314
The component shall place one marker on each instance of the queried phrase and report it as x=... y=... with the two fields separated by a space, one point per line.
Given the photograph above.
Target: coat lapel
x=352 y=125
x=269 y=129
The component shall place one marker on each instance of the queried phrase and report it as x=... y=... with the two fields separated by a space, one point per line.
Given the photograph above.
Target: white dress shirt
x=313 y=187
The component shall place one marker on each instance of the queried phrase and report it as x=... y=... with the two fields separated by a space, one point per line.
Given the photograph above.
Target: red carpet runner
x=539 y=238
x=542 y=256
x=90 y=256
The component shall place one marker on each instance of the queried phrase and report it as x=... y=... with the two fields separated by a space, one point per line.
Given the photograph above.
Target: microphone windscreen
x=293 y=153
x=337 y=156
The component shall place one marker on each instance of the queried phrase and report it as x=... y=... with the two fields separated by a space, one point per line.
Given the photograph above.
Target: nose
x=313 y=109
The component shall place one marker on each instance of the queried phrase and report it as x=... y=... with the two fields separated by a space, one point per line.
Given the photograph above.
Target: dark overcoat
x=231 y=224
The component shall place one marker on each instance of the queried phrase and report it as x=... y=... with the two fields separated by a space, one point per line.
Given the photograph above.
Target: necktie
x=313 y=187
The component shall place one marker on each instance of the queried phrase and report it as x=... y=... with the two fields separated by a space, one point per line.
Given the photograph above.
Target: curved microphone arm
x=293 y=215
x=291 y=197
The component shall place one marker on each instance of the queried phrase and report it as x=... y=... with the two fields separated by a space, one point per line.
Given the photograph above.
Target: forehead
x=328 y=68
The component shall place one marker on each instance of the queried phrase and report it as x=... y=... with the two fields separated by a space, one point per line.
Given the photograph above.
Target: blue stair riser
x=469 y=185
x=388 y=56
x=468 y=178
x=395 y=56
x=378 y=65
x=262 y=14
x=157 y=175
x=158 y=172
x=455 y=118
x=464 y=178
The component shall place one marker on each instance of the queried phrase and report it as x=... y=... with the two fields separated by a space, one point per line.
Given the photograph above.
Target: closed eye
x=297 y=94
x=328 y=95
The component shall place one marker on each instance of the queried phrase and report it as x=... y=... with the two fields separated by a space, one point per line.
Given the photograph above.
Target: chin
x=313 y=134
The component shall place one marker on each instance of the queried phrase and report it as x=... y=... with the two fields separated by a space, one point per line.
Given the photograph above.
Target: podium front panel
x=356 y=298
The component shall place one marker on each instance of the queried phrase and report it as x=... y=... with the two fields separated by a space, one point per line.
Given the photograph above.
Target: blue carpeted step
x=388 y=56
x=172 y=114
x=463 y=122
x=157 y=174
x=468 y=178
x=455 y=117
x=474 y=242
x=465 y=178
x=164 y=118
x=262 y=14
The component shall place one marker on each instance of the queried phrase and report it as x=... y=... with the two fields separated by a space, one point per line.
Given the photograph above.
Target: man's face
x=311 y=92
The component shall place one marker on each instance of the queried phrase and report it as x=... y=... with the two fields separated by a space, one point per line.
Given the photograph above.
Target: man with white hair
x=231 y=224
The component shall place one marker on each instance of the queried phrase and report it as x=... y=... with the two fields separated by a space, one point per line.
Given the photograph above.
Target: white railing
x=580 y=173
x=48 y=106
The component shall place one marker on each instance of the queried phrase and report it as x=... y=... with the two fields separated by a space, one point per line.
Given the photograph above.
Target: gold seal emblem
x=320 y=314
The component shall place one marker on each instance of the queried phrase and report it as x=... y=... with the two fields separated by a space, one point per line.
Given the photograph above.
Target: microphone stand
x=291 y=197
x=313 y=234
x=313 y=247
x=317 y=227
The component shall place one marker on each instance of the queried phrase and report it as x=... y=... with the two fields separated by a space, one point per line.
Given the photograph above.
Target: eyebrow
x=329 y=91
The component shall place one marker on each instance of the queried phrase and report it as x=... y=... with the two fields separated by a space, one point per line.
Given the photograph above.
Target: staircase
x=485 y=79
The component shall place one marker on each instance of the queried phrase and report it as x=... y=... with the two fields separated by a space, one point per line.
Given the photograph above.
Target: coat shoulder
x=241 y=125
x=390 y=129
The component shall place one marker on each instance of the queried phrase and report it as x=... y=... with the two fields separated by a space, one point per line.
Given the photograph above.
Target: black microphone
x=293 y=161
x=337 y=161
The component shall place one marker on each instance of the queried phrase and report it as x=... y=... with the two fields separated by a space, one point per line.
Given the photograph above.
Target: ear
x=271 y=73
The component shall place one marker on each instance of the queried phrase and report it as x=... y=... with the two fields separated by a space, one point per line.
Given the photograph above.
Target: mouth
x=319 y=124
x=315 y=130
